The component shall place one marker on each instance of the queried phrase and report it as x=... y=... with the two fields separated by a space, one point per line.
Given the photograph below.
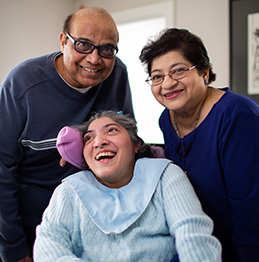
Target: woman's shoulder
x=232 y=103
x=230 y=98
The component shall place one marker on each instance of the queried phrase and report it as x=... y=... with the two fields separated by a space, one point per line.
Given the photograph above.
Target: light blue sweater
x=164 y=213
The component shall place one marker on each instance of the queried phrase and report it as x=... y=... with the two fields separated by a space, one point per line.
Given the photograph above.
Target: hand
x=62 y=162
x=25 y=259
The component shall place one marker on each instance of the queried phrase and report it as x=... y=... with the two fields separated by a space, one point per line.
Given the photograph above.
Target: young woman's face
x=110 y=152
x=177 y=95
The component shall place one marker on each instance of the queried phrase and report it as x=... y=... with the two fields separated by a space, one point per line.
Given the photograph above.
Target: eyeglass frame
x=170 y=75
x=94 y=47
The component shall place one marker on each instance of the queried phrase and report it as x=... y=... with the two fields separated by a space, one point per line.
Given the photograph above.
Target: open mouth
x=90 y=70
x=105 y=155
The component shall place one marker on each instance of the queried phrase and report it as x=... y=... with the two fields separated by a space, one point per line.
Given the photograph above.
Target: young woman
x=125 y=206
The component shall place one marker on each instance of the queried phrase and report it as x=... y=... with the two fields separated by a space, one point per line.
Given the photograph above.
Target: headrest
x=70 y=146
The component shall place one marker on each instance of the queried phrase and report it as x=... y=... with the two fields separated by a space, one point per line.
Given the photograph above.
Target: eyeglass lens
x=85 y=47
x=175 y=74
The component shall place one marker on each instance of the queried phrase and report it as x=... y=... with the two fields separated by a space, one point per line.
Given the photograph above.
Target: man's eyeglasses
x=175 y=74
x=85 y=47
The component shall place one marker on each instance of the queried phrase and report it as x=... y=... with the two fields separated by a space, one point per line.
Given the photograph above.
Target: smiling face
x=84 y=70
x=178 y=95
x=110 y=152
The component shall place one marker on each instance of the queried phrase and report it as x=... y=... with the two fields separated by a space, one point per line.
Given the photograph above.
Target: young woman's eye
x=88 y=138
x=111 y=130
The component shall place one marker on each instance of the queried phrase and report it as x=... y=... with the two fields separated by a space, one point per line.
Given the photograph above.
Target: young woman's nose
x=100 y=141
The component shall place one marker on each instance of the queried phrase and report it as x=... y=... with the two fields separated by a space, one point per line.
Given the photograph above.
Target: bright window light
x=134 y=31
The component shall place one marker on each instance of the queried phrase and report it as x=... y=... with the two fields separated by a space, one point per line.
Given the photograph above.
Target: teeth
x=104 y=154
x=90 y=70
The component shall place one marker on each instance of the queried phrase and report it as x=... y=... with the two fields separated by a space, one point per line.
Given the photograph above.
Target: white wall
x=209 y=19
x=31 y=27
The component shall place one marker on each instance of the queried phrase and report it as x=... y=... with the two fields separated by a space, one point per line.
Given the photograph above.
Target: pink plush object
x=70 y=146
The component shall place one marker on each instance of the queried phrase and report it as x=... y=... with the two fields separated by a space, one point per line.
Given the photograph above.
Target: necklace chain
x=195 y=124
x=196 y=121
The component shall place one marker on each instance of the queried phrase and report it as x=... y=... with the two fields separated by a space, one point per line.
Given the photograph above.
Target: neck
x=59 y=64
x=184 y=124
x=61 y=68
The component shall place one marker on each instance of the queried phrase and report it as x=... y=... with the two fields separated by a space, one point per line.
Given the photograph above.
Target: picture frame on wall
x=253 y=53
x=244 y=49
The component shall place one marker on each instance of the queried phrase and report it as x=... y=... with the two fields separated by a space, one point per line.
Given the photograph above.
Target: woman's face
x=178 y=95
x=110 y=152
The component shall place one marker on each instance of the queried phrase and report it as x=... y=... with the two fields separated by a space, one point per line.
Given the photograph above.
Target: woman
x=125 y=207
x=212 y=134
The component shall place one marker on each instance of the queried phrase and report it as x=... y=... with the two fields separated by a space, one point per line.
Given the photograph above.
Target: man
x=37 y=99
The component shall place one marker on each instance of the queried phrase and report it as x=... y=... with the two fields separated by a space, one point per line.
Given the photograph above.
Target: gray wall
x=30 y=28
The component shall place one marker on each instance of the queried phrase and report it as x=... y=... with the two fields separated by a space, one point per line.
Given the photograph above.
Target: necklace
x=196 y=120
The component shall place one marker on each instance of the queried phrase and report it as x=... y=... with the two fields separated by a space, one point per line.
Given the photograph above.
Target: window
x=135 y=27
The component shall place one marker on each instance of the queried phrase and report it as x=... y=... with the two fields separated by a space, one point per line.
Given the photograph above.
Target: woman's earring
x=206 y=81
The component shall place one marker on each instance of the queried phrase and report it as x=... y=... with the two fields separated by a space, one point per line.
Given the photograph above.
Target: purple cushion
x=70 y=146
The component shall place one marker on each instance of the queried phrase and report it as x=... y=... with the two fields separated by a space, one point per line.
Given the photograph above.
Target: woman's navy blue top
x=221 y=159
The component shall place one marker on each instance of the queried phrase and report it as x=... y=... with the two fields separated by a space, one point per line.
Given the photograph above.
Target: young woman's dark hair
x=125 y=121
x=181 y=40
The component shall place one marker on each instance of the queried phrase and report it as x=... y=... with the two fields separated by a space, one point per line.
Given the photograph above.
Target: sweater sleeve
x=55 y=240
x=187 y=222
x=12 y=236
x=239 y=150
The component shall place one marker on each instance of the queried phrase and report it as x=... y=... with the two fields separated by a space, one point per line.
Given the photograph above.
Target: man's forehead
x=87 y=26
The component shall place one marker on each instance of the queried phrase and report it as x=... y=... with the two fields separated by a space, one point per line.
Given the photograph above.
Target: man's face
x=84 y=70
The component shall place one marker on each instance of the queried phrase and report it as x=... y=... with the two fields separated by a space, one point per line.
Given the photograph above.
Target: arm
x=239 y=151
x=12 y=118
x=187 y=222
x=56 y=235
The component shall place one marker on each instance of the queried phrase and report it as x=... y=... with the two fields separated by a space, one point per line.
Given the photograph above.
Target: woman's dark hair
x=181 y=40
x=125 y=121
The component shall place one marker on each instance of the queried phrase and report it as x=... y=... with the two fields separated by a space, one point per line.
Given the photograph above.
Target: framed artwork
x=253 y=53
x=244 y=47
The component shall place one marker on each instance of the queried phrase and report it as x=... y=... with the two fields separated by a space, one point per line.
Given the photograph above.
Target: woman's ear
x=206 y=73
x=137 y=147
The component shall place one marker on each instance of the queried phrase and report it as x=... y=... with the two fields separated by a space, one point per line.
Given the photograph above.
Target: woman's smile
x=109 y=152
x=173 y=94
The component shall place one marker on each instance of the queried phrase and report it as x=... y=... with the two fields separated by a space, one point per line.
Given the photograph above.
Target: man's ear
x=62 y=41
